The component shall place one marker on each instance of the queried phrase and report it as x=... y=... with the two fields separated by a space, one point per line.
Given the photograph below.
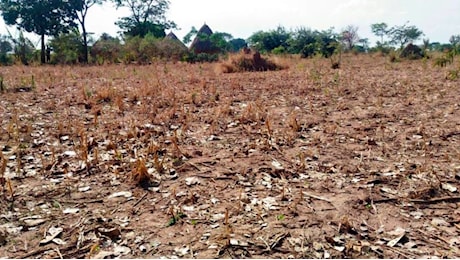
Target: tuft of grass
x=175 y=217
x=140 y=174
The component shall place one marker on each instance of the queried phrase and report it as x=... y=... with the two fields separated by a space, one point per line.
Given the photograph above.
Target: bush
x=201 y=57
x=6 y=59
x=67 y=48
x=106 y=50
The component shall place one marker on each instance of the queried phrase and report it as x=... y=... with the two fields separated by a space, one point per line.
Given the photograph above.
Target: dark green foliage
x=237 y=44
x=188 y=37
x=146 y=17
x=221 y=41
x=268 y=41
x=144 y=28
x=5 y=47
x=68 y=48
x=40 y=17
x=404 y=34
x=303 y=41
x=327 y=43
x=380 y=30
x=201 y=57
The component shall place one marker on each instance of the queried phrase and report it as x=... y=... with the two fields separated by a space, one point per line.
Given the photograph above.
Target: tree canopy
x=147 y=16
x=404 y=34
x=44 y=18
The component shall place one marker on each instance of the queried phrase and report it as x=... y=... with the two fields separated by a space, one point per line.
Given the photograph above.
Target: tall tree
x=380 y=30
x=404 y=34
x=45 y=18
x=350 y=36
x=80 y=10
x=147 y=16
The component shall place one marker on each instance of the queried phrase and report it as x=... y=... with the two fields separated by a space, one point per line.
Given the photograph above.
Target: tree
x=23 y=48
x=147 y=16
x=303 y=41
x=5 y=44
x=350 y=37
x=404 y=34
x=327 y=43
x=80 y=10
x=221 y=41
x=188 y=37
x=454 y=39
x=67 y=48
x=362 y=45
x=268 y=41
x=380 y=30
x=45 y=18
x=5 y=48
x=237 y=44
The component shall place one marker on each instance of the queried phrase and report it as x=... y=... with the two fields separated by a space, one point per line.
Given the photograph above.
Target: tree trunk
x=85 y=44
x=42 y=52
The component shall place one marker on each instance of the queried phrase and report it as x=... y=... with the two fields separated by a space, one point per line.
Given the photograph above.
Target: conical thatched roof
x=201 y=43
x=205 y=30
x=172 y=36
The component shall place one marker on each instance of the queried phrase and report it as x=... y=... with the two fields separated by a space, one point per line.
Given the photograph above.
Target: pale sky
x=438 y=19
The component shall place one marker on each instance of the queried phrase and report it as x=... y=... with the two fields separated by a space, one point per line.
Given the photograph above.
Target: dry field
x=179 y=160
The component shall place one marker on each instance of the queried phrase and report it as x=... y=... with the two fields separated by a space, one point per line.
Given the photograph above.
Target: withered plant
x=140 y=174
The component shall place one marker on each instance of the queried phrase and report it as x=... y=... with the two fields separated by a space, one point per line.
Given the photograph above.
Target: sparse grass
x=371 y=130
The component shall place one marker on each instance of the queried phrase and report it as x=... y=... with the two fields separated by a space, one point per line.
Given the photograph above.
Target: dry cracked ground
x=181 y=161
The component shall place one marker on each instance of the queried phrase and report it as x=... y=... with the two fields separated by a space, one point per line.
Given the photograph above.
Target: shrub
x=201 y=57
x=67 y=48
x=106 y=49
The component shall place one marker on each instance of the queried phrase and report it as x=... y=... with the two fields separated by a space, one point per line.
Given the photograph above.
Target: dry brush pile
x=177 y=160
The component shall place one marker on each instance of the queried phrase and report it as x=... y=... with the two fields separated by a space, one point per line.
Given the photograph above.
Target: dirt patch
x=174 y=160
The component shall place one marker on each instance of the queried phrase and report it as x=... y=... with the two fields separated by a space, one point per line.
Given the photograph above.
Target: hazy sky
x=438 y=19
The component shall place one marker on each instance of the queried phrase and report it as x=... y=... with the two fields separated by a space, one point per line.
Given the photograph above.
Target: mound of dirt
x=248 y=60
x=412 y=52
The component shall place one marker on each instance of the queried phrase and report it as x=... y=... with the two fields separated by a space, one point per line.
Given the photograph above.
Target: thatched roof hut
x=172 y=36
x=202 y=42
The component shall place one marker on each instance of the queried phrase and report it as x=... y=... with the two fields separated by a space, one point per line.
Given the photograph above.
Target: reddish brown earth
x=178 y=160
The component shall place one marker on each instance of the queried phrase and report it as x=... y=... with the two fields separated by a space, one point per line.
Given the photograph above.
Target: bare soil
x=178 y=160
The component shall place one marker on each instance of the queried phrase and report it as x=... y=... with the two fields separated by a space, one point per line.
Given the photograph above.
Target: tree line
x=142 y=36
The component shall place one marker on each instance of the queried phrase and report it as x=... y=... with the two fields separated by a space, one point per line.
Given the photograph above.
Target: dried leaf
x=449 y=187
x=52 y=233
x=126 y=194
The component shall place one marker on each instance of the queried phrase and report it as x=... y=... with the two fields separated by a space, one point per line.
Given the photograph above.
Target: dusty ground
x=178 y=160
